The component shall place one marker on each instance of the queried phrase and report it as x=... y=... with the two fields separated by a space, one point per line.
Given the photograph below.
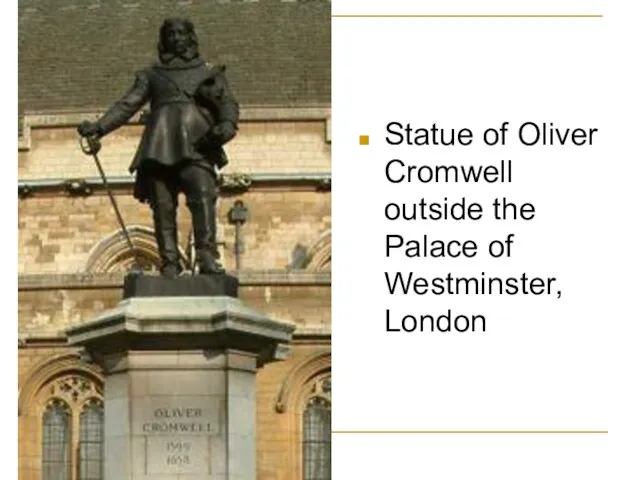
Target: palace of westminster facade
x=274 y=214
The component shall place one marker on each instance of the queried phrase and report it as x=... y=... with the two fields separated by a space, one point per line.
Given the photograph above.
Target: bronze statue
x=193 y=114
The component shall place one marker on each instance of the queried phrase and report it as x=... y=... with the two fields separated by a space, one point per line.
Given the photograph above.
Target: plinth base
x=217 y=285
x=180 y=382
x=180 y=415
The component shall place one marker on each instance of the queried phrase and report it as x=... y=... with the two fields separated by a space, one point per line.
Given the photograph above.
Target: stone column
x=180 y=385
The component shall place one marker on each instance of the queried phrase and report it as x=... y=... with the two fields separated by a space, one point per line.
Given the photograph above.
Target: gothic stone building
x=75 y=58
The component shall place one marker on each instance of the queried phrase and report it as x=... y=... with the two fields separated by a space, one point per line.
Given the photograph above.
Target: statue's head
x=177 y=38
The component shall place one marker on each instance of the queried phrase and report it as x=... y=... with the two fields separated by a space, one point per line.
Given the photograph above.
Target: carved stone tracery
x=319 y=391
x=74 y=389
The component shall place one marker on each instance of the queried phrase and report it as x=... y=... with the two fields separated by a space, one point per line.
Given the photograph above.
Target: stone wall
x=276 y=51
x=57 y=234
x=261 y=146
x=49 y=310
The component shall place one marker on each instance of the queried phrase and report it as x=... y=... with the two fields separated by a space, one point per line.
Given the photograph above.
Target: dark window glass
x=56 y=442
x=91 y=442
x=317 y=439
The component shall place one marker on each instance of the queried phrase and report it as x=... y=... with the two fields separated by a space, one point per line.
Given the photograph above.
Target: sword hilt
x=90 y=144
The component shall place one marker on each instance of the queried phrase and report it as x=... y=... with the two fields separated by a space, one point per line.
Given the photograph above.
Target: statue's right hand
x=89 y=129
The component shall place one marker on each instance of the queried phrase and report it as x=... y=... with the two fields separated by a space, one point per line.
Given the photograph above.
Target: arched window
x=72 y=430
x=91 y=443
x=319 y=255
x=304 y=398
x=316 y=430
x=56 y=441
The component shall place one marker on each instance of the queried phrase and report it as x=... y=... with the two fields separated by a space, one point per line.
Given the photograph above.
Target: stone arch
x=294 y=382
x=320 y=253
x=291 y=399
x=43 y=372
x=112 y=253
x=66 y=380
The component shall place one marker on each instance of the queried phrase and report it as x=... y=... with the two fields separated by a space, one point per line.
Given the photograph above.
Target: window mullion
x=75 y=443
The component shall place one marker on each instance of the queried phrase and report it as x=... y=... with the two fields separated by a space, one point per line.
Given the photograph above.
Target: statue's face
x=177 y=38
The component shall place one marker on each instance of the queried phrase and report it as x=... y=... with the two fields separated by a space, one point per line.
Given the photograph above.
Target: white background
x=543 y=364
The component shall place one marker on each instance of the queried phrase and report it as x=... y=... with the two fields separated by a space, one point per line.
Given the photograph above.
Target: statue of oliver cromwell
x=193 y=114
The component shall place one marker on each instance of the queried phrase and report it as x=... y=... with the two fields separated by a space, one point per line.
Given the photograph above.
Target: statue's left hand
x=225 y=131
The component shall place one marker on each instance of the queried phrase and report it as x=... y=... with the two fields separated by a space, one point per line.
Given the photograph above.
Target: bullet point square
x=364 y=139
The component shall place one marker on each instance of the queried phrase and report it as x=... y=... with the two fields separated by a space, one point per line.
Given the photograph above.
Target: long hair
x=192 y=48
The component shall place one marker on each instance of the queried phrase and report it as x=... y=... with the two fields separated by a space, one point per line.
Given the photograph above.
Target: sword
x=91 y=146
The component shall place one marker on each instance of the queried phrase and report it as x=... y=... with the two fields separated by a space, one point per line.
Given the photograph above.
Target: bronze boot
x=166 y=231
x=203 y=213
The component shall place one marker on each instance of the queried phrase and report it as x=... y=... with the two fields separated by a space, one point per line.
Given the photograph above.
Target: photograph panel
x=174 y=239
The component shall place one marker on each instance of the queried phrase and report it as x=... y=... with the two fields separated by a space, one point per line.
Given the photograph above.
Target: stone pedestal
x=180 y=385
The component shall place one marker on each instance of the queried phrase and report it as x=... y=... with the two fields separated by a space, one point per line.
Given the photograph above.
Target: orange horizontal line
x=473 y=432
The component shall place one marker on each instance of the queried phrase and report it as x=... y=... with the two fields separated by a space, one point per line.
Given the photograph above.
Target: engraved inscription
x=177 y=420
x=173 y=454
x=178 y=453
x=178 y=432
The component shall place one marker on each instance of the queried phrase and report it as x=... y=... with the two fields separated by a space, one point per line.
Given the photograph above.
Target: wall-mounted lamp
x=238 y=216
